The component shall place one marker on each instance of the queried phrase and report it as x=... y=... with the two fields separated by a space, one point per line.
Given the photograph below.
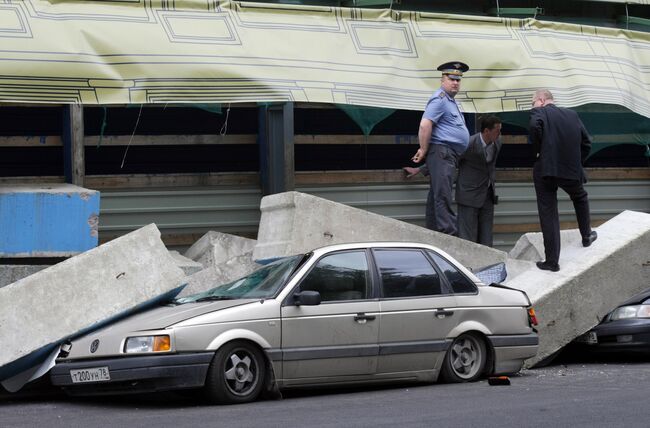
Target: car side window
x=340 y=276
x=459 y=282
x=406 y=273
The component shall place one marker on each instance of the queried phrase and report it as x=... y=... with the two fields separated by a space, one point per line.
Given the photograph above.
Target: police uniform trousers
x=475 y=224
x=549 y=219
x=442 y=162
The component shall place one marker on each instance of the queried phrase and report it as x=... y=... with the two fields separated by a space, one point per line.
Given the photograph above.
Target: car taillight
x=532 y=318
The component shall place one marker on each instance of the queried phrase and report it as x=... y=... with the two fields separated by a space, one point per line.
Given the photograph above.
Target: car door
x=417 y=311
x=469 y=305
x=337 y=337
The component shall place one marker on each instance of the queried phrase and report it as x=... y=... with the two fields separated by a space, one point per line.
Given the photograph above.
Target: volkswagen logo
x=94 y=346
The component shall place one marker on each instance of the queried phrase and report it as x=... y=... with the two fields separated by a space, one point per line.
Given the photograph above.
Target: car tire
x=465 y=359
x=236 y=374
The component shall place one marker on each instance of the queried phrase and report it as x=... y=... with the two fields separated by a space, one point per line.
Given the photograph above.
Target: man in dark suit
x=475 y=195
x=562 y=145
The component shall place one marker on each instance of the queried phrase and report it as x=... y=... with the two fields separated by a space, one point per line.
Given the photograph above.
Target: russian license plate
x=95 y=374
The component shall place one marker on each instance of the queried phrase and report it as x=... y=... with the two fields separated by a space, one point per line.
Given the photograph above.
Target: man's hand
x=410 y=171
x=419 y=156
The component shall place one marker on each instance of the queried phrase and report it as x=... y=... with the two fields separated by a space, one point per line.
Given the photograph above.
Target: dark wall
x=38 y=122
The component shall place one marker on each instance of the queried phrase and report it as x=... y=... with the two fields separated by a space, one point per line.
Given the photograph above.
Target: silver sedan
x=344 y=314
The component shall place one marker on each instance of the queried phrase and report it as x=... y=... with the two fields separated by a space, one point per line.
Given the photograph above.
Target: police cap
x=453 y=69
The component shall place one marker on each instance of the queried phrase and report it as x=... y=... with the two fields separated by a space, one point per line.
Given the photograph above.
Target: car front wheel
x=465 y=360
x=236 y=374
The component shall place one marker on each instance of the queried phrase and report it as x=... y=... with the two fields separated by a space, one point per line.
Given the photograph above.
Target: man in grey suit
x=475 y=195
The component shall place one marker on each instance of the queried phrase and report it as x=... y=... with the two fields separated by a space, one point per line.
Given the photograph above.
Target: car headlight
x=636 y=311
x=138 y=344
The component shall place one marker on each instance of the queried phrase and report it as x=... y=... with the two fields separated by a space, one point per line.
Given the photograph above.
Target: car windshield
x=263 y=283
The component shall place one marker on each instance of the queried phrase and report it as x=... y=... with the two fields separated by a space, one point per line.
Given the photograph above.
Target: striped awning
x=197 y=51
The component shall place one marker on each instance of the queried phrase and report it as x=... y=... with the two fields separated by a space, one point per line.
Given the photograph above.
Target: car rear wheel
x=236 y=374
x=465 y=360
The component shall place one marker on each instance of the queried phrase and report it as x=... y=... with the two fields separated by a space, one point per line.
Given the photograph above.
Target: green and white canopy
x=206 y=51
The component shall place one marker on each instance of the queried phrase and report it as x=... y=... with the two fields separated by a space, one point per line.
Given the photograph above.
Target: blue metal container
x=50 y=220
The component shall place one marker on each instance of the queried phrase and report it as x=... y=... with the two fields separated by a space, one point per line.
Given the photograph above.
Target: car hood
x=164 y=316
x=110 y=338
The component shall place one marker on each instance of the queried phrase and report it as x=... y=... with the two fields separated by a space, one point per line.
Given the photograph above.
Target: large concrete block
x=516 y=267
x=225 y=258
x=591 y=282
x=294 y=223
x=530 y=246
x=78 y=293
x=223 y=273
x=215 y=248
x=50 y=220
x=188 y=265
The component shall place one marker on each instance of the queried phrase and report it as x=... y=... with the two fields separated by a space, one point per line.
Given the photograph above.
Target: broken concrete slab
x=215 y=248
x=293 y=223
x=225 y=272
x=531 y=245
x=591 y=282
x=516 y=267
x=188 y=265
x=225 y=258
x=81 y=292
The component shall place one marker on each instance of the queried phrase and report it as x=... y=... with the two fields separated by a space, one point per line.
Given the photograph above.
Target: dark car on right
x=625 y=329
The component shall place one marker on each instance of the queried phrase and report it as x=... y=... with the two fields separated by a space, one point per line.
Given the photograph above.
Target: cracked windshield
x=263 y=283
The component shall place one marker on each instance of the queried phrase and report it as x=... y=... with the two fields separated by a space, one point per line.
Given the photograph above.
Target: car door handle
x=442 y=313
x=362 y=318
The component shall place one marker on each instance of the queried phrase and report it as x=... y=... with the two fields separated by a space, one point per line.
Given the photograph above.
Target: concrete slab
x=293 y=223
x=516 y=267
x=531 y=245
x=188 y=265
x=47 y=220
x=71 y=296
x=215 y=248
x=225 y=272
x=591 y=282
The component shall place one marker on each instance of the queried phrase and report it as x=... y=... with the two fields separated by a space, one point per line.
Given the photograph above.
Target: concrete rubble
x=215 y=248
x=188 y=266
x=531 y=245
x=591 y=282
x=224 y=257
x=64 y=299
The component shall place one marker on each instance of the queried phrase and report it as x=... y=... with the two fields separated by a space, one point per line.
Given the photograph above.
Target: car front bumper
x=622 y=335
x=136 y=374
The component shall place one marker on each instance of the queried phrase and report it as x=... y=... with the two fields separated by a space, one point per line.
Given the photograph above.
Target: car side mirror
x=307 y=298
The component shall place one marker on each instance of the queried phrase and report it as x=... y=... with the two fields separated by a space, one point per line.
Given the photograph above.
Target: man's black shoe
x=553 y=267
x=589 y=239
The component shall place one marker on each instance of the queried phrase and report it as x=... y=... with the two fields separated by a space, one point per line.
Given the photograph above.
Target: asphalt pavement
x=596 y=394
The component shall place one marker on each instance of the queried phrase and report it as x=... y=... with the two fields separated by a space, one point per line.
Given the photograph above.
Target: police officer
x=443 y=137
